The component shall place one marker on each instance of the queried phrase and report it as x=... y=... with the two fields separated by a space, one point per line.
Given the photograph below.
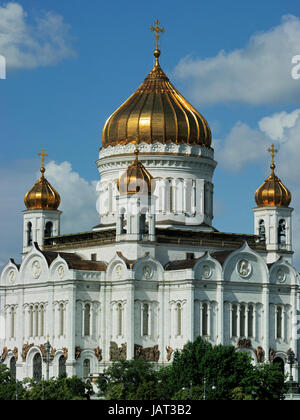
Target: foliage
x=61 y=388
x=130 y=380
x=9 y=388
x=220 y=373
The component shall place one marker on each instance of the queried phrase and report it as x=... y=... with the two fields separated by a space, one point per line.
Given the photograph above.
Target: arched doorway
x=62 y=366
x=280 y=363
x=37 y=367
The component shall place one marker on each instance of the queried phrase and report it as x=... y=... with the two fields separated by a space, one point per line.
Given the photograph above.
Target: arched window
x=204 y=319
x=12 y=322
x=120 y=319
x=282 y=232
x=250 y=321
x=37 y=367
x=262 y=231
x=31 y=321
x=242 y=320
x=86 y=368
x=42 y=320
x=13 y=368
x=62 y=366
x=143 y=225
x=48 y=230
x=36 y=321
x=179 y=319
x=280 y=364
x=29 y=234
x=145 y=319
x=279 y=320
x=172 y=198
x=61 y=319
x=234 y=320
x=87 y=319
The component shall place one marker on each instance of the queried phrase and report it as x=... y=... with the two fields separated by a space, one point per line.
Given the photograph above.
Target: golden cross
x=273 y=151
x=157 y=31
x=43 y=155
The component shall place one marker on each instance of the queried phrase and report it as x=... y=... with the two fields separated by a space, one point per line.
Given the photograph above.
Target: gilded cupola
x=156 y=112
x=273 y=192
x=42 y=196
x=136 y=179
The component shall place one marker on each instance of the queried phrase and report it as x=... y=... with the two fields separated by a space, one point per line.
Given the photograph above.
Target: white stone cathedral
x=155 y=273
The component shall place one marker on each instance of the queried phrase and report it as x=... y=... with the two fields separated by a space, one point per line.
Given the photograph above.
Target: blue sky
x=70 y=64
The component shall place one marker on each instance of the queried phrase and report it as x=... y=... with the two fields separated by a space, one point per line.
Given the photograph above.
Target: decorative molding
x=25 y=349
x=98 y=354
x=260 y=354
x=78 y=352
x=244 y=343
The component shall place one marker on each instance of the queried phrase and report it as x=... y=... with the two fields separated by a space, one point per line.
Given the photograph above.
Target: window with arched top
x=250 y=321
x=13 y=368
x=242 y=321
x=279 y=320
x=179 y=318
x=37 y=367
x=262 y=231
x=282 y=232
x=87 y=319
x=234 y=320
x=204 y=319
x=86 y=368
x=62 y=366
x=48 y=230
x=120 y=319
x=145 y=319
x=61 y=319
x=29 y=234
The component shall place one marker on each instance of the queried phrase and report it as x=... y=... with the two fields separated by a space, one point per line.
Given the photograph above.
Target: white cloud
x=260 y=73
x=26 y=45
x=78 y=202
x=78 y=197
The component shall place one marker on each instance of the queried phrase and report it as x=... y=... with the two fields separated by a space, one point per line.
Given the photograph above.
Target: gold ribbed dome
x=42 y=196
x=136 y=179
x=273 y=192
x=156 y=112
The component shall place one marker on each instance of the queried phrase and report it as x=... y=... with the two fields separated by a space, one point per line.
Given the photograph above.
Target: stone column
x=220 y=321
x=266 y=321
x=71 y=331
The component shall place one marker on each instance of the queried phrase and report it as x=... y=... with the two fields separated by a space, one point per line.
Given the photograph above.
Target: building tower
x=42 y=217
x=174 y=144
x=273 y=216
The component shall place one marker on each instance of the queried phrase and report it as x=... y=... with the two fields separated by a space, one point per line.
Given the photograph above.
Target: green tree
x=61 y=388
x=129 y=379
x=9 y=387
x=218 y=371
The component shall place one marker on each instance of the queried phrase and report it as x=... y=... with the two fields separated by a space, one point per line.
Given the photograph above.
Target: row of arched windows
x=48 y=233
x=281 y=232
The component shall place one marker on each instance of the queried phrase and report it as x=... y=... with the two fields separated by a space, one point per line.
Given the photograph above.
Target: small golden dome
x=136 y=179
x=273 y=192
x=156 y=112
x=42 y=196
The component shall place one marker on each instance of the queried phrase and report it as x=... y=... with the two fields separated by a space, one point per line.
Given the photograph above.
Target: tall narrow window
x=29 y=234
x=61 y=319
x=279 y=321
x=262 y=232
x=145 y=319
x=37 y=367
x=234 y=320
x=31 y=321
x=282 y=232
x=242 y=320
x=87 y=319
x=120 y=319
x=36 y=321
x=42 y=320
x=171 y=191
x=204 y=319
x=13 y=368
x=12 y=323
x=62 y=366
x=250 y=321
x=179 y=319
x=49 y=230
x=86 y=368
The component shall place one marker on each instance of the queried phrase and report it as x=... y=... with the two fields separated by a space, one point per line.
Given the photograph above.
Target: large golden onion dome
x=273 y=192
x=136 y=179
x=156 y=112
x=42 y=196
